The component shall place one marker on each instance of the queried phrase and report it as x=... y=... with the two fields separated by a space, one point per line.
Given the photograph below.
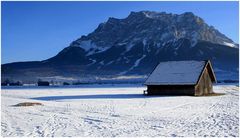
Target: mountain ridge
x=133 y=46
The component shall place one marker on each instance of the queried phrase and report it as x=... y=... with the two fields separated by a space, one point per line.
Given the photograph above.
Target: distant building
x=66 y=83
x=43 y=83
x=4 y=84
x=7 y=82
x=181 y=78
x=18 y=83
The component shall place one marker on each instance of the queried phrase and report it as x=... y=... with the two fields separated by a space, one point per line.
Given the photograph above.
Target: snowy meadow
x=118 y=111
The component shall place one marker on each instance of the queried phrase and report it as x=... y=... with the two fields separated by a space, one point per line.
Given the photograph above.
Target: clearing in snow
x=118 y=111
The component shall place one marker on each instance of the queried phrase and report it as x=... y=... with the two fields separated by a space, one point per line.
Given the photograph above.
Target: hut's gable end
x=204 y=85
x=211 y=72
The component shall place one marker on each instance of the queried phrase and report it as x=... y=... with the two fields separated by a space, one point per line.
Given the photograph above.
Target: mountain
x=133 y=46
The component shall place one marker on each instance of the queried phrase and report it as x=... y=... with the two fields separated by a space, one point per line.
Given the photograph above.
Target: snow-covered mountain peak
x=160 y=27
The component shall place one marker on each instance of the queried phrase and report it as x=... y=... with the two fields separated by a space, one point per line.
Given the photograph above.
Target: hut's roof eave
x=169 y=84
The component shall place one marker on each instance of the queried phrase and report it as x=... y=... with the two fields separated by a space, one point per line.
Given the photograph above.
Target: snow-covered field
x=118 y=111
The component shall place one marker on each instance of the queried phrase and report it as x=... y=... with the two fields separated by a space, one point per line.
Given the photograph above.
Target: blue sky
x=39 y=30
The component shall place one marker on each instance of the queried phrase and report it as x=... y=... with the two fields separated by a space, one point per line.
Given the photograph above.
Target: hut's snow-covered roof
x=176 y=73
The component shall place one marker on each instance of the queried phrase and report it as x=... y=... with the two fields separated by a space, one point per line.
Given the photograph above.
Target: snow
x=93 y=62
x=128 y=77
x=110 y=62
x=229 y=44
x=87 y=45
x=90 y=47
x=144 y=41
x=97 y=50
x=194 y=39
x=177 y=45
x=176 y=72
x=118 y=111
x=58 y=78
x=129 y=47
x=164 y=36
x=101 y=63
x=137 y=62
x=148 y=15
x=135 y=65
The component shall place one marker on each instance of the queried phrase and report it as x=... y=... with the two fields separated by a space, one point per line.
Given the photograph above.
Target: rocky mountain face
x=134 y=46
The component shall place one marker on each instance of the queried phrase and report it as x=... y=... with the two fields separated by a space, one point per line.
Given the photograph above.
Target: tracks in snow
x=158 y=116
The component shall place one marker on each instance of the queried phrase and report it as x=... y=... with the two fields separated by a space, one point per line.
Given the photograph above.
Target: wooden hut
x=181 y=78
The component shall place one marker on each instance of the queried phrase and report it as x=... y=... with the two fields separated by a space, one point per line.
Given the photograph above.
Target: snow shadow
x=99 y=96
